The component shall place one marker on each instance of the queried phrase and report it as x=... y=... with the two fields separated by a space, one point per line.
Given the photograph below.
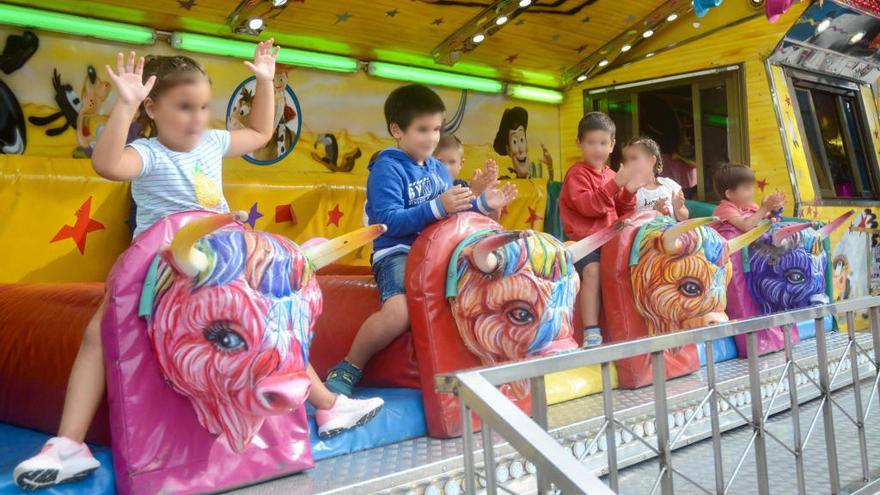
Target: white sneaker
x=61 y=460
x=346 y=414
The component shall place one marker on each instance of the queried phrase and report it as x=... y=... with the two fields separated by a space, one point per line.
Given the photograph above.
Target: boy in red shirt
x=594 y=197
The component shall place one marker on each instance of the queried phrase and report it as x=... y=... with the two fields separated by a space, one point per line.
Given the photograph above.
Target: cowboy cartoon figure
x=511 y=141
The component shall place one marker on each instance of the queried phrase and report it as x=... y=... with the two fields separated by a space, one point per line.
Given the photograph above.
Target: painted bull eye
x=795 y=276
x=520 y=316
x=691 y=288
x=224 y=338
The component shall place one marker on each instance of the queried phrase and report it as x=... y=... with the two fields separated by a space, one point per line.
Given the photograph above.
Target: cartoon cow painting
x=512 y=294
x=663 y=277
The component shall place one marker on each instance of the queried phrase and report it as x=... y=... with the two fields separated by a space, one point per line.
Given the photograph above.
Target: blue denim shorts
x=389 y=273
x=586 y=260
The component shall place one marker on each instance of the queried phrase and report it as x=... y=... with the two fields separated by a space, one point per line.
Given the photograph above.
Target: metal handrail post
x=713 y=417
x=489 y=459
x=795 y=411
x=827 y=407
x=467 y=441
x=608 y=400
x=857 y=394
x=661 y=413
x=758 y=415
x=538 y=389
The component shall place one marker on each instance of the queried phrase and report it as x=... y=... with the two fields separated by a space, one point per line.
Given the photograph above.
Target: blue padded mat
x=17 y=444
x=402 y=417
x=807 y=329
x=723 y=350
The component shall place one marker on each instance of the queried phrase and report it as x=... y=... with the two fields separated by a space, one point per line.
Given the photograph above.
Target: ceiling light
x=823 y=25
x=696 y=24
x=671 y=17
x=649 y=55
x=525 y=3
x=648 y=33
x=582 y=78
x=278 y=3
x=603 y=62
x=501 y=20
x=626 y=48
x=856 y=37
x=479 y=37
x=255 y=24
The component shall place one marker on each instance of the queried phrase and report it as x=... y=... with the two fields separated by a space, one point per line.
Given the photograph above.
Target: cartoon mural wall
x=54 y=100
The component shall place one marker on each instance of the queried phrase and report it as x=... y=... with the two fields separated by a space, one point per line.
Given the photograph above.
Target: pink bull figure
x=512 y=294
x=232 y=317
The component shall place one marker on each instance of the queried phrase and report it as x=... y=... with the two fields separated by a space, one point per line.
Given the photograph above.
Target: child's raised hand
x=263 y=66
x=499 y=197
x=129 y=82
x=485 y=178
x=678 y=201
x=662 y=206
x=456 y=198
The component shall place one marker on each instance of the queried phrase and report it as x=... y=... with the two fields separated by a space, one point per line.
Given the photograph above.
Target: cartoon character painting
x=511 y=140
x=13 y=131
x=330 y=159
x=850 y=265
x=88 y=122
x=69 y=104
x=287 y=121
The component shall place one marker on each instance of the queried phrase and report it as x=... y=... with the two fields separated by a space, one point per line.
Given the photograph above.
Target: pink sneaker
x=61 y=460
x=346 y=414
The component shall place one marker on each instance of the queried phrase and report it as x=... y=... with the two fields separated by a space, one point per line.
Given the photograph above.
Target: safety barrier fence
x=556 y=467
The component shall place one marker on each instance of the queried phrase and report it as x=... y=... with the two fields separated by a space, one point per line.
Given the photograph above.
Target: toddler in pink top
x=735 y=184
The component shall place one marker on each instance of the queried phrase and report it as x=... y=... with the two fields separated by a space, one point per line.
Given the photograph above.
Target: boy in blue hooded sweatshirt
x=407 y=190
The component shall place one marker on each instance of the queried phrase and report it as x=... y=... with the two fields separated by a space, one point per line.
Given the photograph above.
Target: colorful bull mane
x=242 y=322
x=677 y=286
x=523 y=307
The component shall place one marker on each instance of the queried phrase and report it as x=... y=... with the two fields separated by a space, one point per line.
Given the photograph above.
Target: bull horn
x=189 y=260
x=323 y=254
x=482 y=254
x=835 y=224
x=587 y=245
x=749 y=237
x=780 y=235
x=671 y=235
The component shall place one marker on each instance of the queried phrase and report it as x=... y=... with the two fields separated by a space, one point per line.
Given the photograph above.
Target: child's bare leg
x=86 y=385
x=589 y=299
x=319 y=395
x=379 y=330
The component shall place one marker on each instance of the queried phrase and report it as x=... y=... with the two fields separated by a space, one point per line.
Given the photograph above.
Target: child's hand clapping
x=456 y=198
x=129 y=84
x=662 y=206
x=485 y=178
x=499 y=197
x=263 y=65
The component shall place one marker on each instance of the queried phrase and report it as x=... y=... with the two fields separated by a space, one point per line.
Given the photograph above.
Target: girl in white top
x=178 y=169
x=662 y=193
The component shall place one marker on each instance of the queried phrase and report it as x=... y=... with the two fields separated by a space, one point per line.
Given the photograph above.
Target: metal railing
x=554 y=464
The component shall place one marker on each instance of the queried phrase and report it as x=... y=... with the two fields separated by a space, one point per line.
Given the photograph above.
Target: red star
x=334 y=215
x=533 y=217
x=511 y=58
x=787 y=101
x=78 y=232
x=762 y=184
x=284 y=213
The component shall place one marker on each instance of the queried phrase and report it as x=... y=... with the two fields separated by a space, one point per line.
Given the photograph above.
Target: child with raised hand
x=450 y=151
x=735 y=184
x=177 y=169
x=407 y=190
x=593 y=197
x=660 y=193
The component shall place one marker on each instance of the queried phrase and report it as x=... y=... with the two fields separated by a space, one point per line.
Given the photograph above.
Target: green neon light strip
x=535 y=94
x=245 y=50
x=14 y=15
x=439 y=78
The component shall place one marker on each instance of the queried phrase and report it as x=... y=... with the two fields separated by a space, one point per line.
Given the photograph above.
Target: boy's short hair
x=596 y=121
x=407 y=102
x=448 y=141
x=730 y=176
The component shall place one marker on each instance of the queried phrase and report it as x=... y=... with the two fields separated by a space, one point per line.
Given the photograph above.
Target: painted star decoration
x=533 y=217
x=342 y=17
x=555 y=37
x=519 y=22
x=186 y=4
x=334 y=215
x=79 y=230
x=762 y=184
x=586 y=19
x=253 y=216
x=580 y=48
x=437 y=21
x=511 y=58
x=391 y=13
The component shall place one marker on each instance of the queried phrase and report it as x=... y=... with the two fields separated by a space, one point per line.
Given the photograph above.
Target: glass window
x=714 y=132
x=836 y=140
